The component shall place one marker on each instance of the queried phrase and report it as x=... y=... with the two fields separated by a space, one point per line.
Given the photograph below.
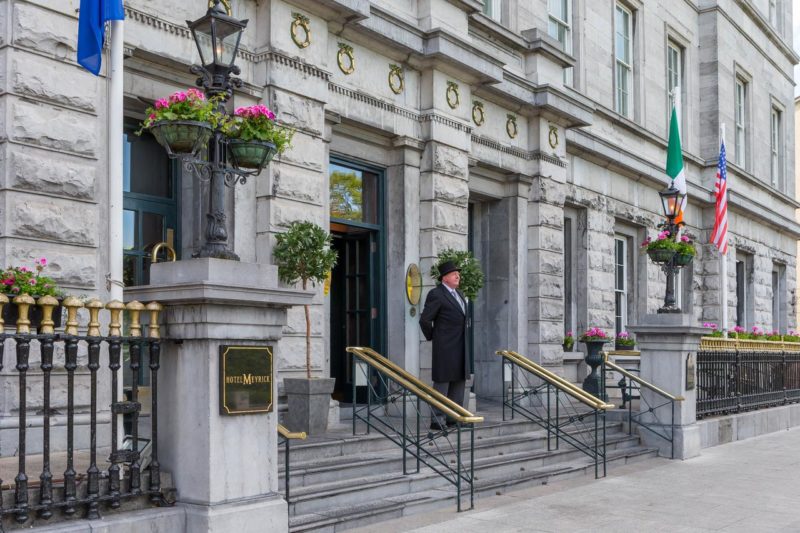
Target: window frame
x=494 y=10
x=777 y=148
x=676 y=78
x=740 y=120
x=623 y=96
x=566 y=24
x=621 y=317
x=779 y=310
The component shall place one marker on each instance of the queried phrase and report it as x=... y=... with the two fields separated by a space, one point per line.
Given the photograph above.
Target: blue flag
x=92 y=29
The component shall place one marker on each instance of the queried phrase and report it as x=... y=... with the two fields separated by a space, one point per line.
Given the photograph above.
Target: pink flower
x=684 y=238
x=15 y=289
x=32 y=282
x=569 y=334
x=8 y=281
x=24 y=269
x=194 y=93
x=43 y=262
x=152 y=116
x=663 y=235
x=738 y=329
x=179 y=96
x=162 y=103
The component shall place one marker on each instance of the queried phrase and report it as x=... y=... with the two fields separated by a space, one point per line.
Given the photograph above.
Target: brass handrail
x=637 y=379
x=422 y=390
x=170 y=252
x=556 y=380
x=286 y=434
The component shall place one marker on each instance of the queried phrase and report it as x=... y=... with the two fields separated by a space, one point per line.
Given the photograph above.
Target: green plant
x=189 y=105
x=22 y=280
x=685 y=246
x=257 y=123
x=625 y=339
x=663 y=241
x=303 y=253
x=471 y=274
x=568 y=342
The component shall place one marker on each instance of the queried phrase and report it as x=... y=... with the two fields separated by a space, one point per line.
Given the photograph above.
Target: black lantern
x=671 y=200
x=217 y=36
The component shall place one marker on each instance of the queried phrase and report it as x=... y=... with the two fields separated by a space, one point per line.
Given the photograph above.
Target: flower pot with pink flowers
x=17 y=280
x=594 y=338
x=254 y=137
x=183 y=123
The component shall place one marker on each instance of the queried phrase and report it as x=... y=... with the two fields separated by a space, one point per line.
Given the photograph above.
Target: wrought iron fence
x=123 y=477
x=443 y=448
x=656 y=413
x=564 y=411
x=735 y=376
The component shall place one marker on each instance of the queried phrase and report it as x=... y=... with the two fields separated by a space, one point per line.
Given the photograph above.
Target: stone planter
x=591 y=383
x=660 y=256
x=182 y=137
x=683 y=259
x=251 y=154
x=568 y=347
x=11 y=314
x=309 y=400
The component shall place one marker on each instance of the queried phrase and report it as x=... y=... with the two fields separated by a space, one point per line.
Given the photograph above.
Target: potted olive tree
x=303 y=253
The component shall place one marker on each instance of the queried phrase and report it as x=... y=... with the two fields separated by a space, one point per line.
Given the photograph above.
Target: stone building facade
x=531 y=132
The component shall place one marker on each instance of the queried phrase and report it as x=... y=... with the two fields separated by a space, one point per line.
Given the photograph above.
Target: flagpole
x=115 y=172
x=724 y=263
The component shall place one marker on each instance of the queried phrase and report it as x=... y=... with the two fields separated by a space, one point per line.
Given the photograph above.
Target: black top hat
x=447 y=267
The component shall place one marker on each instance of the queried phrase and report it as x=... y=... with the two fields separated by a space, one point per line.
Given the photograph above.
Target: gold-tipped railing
x=389 y=385
x=564 y=410
x=648 y=418
x=287 y=437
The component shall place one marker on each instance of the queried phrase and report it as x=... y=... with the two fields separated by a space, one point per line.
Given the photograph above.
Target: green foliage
x=471 y=274
x=346 y=195
x=22 y=280
x=303 y=253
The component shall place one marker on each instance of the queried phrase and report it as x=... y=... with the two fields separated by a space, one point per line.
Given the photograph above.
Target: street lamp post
x=217 y=35
x=671 y=201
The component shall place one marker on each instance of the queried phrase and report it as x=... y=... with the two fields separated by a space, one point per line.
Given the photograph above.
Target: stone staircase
x=340 y=481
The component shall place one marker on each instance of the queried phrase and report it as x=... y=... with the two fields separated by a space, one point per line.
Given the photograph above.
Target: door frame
x=378 y=325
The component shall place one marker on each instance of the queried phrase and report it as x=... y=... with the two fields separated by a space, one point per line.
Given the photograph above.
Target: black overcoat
x=443 y=322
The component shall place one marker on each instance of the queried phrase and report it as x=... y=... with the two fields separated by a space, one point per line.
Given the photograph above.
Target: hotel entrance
x=357 y=294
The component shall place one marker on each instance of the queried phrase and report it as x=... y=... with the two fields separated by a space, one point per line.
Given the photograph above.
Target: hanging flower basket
x=251 y=154
x=683 y=259
x=180 y=137
x=660 y=255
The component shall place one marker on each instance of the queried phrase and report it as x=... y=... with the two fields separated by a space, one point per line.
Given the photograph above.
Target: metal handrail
x=536 y=402
x=288 y=436
x=441 y=448
x=557 y=381
x=426 y=392
x=639 y=380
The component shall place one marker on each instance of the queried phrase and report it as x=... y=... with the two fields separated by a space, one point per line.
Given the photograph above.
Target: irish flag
x=675 y=162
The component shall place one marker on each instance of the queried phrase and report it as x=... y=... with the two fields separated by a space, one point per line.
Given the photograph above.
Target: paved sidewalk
x=747 y=486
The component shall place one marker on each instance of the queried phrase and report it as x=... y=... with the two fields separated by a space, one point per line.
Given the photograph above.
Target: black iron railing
x=735 y=376
x=566 y=412
x=652 y=415
x=285 y=437
x=444 y=448
x=122 y=479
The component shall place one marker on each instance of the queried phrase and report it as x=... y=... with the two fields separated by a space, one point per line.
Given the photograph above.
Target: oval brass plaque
x=413 y=284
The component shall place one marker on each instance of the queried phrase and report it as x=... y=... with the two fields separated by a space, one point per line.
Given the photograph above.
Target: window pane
x=128 y=230
x=353 y=194
x=147 y=167
x=152 y=230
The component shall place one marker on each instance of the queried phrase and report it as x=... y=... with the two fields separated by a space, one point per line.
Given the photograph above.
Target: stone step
x=344 y=491
x=304 y=473
x=338 y=518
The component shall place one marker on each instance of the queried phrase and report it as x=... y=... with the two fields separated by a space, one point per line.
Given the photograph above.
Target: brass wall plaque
x=245 y=379
x=413 y=284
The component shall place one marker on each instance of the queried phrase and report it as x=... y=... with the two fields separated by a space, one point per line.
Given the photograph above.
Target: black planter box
x=11 y=314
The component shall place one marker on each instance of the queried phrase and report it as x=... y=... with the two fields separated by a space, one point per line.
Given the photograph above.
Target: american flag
x=719 y=235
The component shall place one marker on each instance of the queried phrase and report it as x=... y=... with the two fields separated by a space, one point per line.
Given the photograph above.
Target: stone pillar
x=225 y=467
x=665 y=342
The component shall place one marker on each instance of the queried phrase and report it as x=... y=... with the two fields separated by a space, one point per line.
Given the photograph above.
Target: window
x=620 y=283
x=744 y=290
x=623 y=65
x=776 y=15
x=674 y=79
x=493 y=9
x=150 y=205
x=779 y=298
x=776 y=148
x=741 y=123
x=570 y=307
x=558 y=26
x=353 y=195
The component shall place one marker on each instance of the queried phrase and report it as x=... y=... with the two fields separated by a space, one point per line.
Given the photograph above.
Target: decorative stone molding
x=511 y=126
x=433 y=117
x=478 y=114
x=452 y=95
x=294 y=63
x=346 y=59
x=375 y=102
x=552 y=137
x=535 y=155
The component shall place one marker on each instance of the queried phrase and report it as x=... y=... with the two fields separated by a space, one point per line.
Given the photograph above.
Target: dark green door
x=357 y=281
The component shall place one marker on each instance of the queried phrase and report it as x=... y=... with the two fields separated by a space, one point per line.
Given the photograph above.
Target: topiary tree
x=303 y=253
x=471 y=273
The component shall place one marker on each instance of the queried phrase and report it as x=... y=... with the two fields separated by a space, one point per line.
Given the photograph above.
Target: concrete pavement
x=747 y=486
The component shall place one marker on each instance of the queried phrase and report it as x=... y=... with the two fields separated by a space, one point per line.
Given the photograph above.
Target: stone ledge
x=741 y=426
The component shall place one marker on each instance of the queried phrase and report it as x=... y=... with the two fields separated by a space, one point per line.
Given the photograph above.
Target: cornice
x=527 y=155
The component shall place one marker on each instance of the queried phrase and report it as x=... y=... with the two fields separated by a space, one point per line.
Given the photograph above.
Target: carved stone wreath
x=452 y=95
x=346 y=59
x=478 y=114
x=396 y=79
x=511 y=126
x=552 y=137
x=301 y=25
